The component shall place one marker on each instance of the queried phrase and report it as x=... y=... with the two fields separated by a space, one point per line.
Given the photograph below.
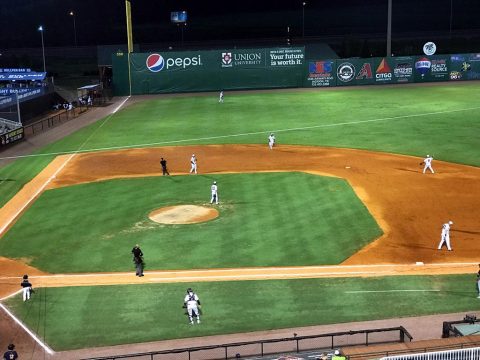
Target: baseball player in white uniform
x=193 y=163
x=271 y=141
x=445 y=236
x=214 y=189
x=428 y=164
x=192 y=303
x=220 y=97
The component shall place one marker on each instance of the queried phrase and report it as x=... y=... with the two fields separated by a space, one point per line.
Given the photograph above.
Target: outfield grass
x=449 y=136
x=78 y=317
x=266 y=219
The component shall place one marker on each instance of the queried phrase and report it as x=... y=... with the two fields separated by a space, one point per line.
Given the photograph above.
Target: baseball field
x=335 y=220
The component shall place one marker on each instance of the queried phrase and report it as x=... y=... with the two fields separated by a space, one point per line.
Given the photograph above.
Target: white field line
x=39 y=190
x=387 y=291
x=42 y=187
x=246 y=134
x=28 y=331
x=266 y=276
x=11 y=295
x=243 y=270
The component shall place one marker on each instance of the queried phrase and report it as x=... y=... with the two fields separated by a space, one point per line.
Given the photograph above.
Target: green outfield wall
x=214 y=70
x=264 y=68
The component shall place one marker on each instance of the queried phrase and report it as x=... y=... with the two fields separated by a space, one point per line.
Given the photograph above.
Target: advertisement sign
x=383 y=72
x=464 y=67
x=321 y=73
x=431 y=68
x=12 y=136
x=402 y=69
x=22 y=76
x=212 y=70
x=286 y=57
x=354 y=72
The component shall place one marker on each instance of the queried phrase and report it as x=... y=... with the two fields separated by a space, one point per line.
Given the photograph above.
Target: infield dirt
x=409 y=206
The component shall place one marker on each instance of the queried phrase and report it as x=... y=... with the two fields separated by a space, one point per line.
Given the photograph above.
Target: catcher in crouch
x=192 y=303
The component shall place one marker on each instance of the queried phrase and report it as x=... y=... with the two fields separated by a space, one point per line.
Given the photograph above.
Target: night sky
x=103 y=21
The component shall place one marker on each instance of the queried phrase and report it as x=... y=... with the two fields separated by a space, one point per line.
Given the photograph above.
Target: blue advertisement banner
x=9 y=76
x=321 y=73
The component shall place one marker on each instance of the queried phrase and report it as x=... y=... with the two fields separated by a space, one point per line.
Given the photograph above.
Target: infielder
x=220 y=97
x=193 y=163
x=26 y=287
x=271 y=141
x=192 y=303
x=214 y=189
x=428 y=164
x=445 y=236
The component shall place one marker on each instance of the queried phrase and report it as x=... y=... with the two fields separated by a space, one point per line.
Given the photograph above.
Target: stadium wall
x=235 y=69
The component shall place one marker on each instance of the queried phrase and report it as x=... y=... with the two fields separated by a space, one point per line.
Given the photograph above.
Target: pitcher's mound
x=183 y=214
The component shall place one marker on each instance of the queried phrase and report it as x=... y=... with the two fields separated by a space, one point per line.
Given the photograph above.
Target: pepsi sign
x=155 y=62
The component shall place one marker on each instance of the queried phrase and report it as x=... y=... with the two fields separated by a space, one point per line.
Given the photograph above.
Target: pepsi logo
x=155 y=62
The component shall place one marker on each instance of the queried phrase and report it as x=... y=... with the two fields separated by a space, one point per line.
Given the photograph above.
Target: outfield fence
x=294 y=344
x=461 y=354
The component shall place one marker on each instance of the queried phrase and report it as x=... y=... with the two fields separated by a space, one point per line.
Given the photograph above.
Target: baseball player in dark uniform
x=138 y=260
x=26 y=287
x=163 y=163
x=11 y=354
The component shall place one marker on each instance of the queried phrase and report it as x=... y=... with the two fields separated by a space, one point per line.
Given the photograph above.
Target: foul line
x=28 y=331
x=240 y=134
x=386 y=291
x=41 y=188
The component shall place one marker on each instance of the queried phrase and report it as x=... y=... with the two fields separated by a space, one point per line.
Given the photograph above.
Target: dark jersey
x=137 y=252
x=10 y=355
x=163 y=163
x=25 y=283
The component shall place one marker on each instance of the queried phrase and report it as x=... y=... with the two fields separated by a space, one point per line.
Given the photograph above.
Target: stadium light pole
x=40 y=28
x=303 y=18
x=389 y=29
x=72 y=14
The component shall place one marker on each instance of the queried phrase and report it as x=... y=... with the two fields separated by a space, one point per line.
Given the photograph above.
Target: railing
x=462 y=354
x=273 y=346
x=54 y=120
x=389 y=354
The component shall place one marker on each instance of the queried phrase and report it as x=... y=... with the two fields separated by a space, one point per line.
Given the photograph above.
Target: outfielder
x=428 y=164
x=26 y=287
x=445 y=236
x=271 y=141
x=193 y=163
x=220 y=97
x=192 y=303
x=214 y=189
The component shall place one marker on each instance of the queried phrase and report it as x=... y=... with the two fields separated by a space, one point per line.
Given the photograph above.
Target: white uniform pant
x=26 y=293
x=194 y=168
x=429 y=167
x=445 y=240
x=270 y=144
x=214 y=198
x=478 y=288
x=193 y=311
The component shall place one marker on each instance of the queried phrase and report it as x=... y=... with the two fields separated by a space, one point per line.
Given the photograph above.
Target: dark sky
x=103 y=21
